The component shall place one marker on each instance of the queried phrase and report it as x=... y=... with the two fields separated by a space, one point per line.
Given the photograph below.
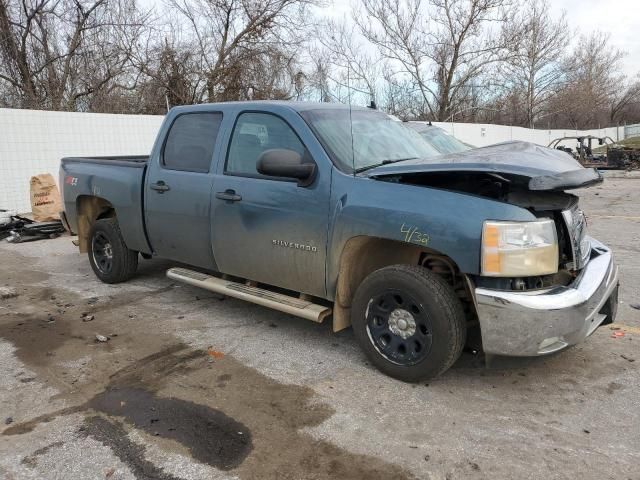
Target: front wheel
x=409 y=322
x=111 y=260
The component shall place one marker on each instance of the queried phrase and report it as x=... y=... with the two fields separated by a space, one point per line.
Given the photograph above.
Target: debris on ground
x=21 y=229
x=214 y=353
x=8 y=421
x=628 y=359
x=102 y=338
x=617 y=334
x=635 y=305
x=87 y=318
x=7 y=292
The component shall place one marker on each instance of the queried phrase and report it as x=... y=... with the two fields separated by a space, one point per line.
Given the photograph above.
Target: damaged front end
x=558 y=286
x=534 y=178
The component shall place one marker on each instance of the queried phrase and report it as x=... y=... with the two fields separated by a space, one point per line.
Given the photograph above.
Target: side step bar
x=266 y=298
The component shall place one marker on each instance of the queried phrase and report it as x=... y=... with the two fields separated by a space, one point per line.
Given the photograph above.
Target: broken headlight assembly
x=519 y=249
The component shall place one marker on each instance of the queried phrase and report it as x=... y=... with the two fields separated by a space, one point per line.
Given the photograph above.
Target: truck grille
x=580 y=246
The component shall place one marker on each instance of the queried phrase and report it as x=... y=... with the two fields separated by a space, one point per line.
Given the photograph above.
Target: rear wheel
x=111 y=260
x=409 y=322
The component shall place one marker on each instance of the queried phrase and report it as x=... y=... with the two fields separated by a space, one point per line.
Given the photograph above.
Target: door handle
x=229 y=196
x=160 y=187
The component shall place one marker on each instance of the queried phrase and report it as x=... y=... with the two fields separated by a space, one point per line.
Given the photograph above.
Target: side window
x=190 y=142
x=253 y=134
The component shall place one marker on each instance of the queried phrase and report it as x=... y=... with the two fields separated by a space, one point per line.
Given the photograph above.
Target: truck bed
x=123 y=161
x=119 y=180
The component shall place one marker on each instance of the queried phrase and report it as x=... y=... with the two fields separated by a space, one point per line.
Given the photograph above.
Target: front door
x=178 y=190
x=269 y=229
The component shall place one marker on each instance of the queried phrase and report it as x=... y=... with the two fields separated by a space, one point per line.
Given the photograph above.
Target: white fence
x=632 y=130
x=32 y=142
x=482 y=134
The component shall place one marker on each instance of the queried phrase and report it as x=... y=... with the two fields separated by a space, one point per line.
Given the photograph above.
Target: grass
x=633 y=142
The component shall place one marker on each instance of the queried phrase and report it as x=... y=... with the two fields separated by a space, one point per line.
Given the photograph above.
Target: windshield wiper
x=384 y=162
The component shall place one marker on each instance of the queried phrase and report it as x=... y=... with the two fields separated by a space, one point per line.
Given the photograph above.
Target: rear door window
x=190 y=142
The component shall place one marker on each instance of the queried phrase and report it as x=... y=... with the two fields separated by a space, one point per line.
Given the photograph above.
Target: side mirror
x=281 y=162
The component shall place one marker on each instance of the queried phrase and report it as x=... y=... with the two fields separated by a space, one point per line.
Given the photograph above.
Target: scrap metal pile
x=607 y=154
x=17 y=229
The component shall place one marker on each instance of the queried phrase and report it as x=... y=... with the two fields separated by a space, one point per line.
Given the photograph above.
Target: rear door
x=178 y=190
x=270 y=229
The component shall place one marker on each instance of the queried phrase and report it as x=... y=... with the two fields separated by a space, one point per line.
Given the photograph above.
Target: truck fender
x=90 y=208
x=363 y=255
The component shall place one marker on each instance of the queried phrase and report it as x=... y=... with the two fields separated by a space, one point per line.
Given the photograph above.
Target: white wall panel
x=33 y=142
x=482 y=134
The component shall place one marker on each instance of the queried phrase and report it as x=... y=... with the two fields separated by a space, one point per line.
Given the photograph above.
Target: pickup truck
x=324 y=211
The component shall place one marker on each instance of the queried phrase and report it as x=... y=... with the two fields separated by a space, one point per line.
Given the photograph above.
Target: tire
x=110 y=259
x=409 y=322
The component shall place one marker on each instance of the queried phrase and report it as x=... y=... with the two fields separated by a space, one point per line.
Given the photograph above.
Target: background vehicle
x=439 y=138
x=600 y=152
x=320 y=210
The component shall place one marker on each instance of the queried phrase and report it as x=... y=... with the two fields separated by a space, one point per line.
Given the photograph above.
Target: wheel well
x=364 y=255
x=90 y=209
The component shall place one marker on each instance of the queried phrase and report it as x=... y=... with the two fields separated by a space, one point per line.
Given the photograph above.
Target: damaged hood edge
x=546 y=169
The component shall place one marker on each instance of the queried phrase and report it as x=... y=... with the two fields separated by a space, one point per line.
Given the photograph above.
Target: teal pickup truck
x=328 y=212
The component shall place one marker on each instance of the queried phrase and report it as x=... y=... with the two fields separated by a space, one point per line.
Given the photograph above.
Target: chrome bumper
x=545 y=321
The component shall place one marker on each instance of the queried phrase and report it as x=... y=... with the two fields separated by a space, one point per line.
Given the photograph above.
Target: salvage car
x=325 y=211
x=437 y=137
x=608 y=155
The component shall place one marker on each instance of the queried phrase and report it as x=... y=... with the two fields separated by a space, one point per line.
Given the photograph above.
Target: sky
x=620 y=18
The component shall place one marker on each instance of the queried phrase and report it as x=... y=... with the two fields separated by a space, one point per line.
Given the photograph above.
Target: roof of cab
x=293 y=105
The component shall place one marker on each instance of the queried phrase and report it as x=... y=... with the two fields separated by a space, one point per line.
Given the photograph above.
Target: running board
x=266 y=298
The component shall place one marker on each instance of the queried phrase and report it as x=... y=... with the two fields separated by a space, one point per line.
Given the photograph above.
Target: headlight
x=519 y=249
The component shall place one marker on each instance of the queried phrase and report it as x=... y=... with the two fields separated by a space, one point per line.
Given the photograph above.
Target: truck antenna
x=353 y=154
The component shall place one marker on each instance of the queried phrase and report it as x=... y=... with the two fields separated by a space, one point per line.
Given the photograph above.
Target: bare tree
x=626 y=103
x=592 y=79
x=247 y=48
x=315 y=83
x=533 y=69
x=399 y=30
x=353 y=67
x=465 y=46
x=169 y=76
x=444 y=46
x=65 y=54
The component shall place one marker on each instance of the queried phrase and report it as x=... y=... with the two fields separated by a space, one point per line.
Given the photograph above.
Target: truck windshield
x=377 y=138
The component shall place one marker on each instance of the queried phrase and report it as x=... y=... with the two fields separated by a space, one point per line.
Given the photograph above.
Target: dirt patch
x=214 y=409
x=113 y=435
x=613 y=386
x=32 y=460
x=36 y=337
x=210 y=436
x=270 y=416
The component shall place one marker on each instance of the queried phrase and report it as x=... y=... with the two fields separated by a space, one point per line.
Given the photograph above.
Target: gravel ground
x=191 y=385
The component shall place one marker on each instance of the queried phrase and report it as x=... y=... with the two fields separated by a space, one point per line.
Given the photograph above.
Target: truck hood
x=545 y=168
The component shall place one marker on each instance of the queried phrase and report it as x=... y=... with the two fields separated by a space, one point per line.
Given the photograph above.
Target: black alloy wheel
x=399 y=327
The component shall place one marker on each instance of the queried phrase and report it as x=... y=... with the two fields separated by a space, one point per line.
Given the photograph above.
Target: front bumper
x=539 y=322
